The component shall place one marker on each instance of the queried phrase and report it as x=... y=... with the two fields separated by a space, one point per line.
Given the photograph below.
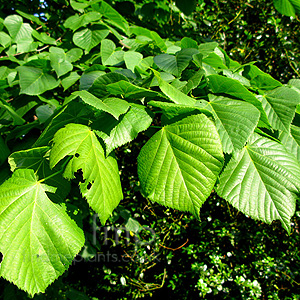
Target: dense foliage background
x=226 y=255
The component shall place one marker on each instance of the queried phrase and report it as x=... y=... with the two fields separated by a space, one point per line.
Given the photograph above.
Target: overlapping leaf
x=262 y=181
x=117 y=133
x=101 y=186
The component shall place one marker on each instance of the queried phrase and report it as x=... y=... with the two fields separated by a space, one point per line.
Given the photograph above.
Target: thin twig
x=175 y=248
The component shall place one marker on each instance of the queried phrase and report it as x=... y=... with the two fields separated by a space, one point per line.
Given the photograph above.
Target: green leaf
x=235 y=121
x=59 y=61
x=113 y=106
x=117 y=133
x=179 y=165
x=74 y=22
x=17 y=29
x=261 y=181
x=113 y=17
x=43 y=37
x=101 y=186
x=109 y=56
x=171 y=110
x=88 y=38
x=72 y=113
x=193 y=82
x=37 y=159
x=99 y=86
x=288 y=7
x=187 y=42
x=172 y=93
x=38 y=239
x=5 y=39
x=90 y=75
x=67 y=82
x=129 y=90
x=223 y=85
x=291 y=141
x=280 y=106
x=34 y=81
x=132 y=59
x=152 y=35
x=175 y=64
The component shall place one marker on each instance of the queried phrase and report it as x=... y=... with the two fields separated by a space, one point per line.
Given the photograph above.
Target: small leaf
x=101 y=186
x=38 y=239
x=113 y=106
x=175 y=64
x=179 y=165
x=132 y=59
x=59 y=62
x=99 y=86
x=34 y=81
x=117 y=133
x=88 y=38
x=67 y=82
x=261 y=181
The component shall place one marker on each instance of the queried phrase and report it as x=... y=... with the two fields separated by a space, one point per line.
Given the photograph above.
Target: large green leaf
x=35 y=81
x=113 y=106
x=288 y=7
x=89 y=38
x=261 y=181
x=235 y=121
x=38 y=239
x=175 y=64
x=117 y=133
x=101 y=186
x=280 y=106
x=179 y=165
x=223 y=85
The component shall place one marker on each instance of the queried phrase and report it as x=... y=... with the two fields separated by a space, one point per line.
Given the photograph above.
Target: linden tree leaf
x=101 y=186
x=179 y=165
x=38 y=239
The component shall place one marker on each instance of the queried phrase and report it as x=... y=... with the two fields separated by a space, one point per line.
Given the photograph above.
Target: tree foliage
x=71 y=97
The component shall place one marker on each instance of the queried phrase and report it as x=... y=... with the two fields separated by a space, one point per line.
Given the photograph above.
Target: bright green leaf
x=101 y=186
x=179 y=165
x=261 y=181
x=38 y=239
